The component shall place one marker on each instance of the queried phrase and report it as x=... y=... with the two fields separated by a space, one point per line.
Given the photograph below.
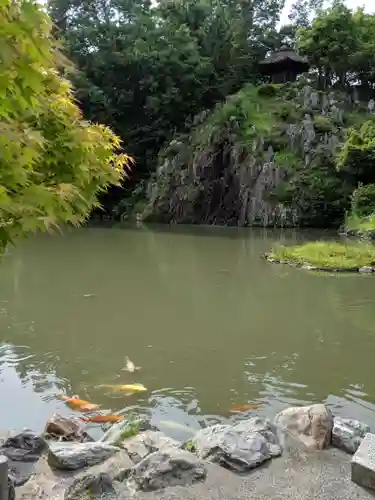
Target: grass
x=361 y=226
x=329 y=255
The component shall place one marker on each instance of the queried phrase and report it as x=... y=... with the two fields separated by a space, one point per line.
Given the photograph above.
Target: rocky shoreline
x=65 y=463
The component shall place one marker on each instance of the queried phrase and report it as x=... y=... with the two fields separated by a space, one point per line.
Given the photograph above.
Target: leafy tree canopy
x=53 y=164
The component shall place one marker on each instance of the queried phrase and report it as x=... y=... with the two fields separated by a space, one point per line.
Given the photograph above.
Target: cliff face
x=264 y=157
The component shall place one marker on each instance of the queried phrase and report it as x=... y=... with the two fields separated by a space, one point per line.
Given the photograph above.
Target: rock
x=11 y=490
x=240 y=447
x=365 y=269
x=161 y=469
x=348 y=434
x=138 y=447
x=117 y=467
x=73 y=456
x=89 y=486
x=309 y=267
x=312 y=425
x=67 y=429
x=24 y=446
x=363 y=463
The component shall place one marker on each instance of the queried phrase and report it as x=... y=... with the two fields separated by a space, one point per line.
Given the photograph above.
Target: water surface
x=210 y=323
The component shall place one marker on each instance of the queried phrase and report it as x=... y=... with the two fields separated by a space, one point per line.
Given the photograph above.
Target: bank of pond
x=134 y=458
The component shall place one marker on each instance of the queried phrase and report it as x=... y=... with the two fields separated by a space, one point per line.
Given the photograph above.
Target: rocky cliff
x=264 y=157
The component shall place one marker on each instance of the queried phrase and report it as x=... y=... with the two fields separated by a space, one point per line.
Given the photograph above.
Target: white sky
x=352 y=4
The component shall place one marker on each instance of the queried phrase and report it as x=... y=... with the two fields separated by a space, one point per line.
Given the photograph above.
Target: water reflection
x=210 y=323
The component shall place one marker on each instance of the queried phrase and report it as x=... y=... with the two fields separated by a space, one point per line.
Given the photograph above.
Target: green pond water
x=210 y=323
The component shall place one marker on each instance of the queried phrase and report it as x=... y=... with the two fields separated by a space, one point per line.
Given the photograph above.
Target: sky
x=352 y=4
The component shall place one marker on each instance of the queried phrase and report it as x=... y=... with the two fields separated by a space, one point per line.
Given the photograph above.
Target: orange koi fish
x=79 y=404
x=246 y=407
x=103 y=419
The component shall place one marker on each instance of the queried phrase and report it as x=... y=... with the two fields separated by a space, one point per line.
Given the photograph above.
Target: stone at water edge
x=348 y=433
x=170 y=467
x=363 y=463
x=240 y=447
x=73 y=456
x=69 y=429
x=138 y=447
x=365 y=270
x=25 y=446
x=90 y=486
x=312 y=425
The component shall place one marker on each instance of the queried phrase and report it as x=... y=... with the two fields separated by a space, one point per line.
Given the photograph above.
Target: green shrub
x=267 y=90
x=323 y=124
x=363 y=200
x=357 y=157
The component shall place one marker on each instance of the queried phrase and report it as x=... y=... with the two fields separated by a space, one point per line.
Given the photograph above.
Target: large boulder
x=66 y=429
x=138 y=447
x=74 y=456
x=25 y=446
x=348 y=433
x=161 y=469
x=90 y=486
x=312 y=425
x=240 y=447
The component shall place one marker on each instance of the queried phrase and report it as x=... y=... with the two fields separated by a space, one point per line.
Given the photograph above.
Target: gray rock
x=365 y=269
x=312 y=425
x=24 y=446
x=363 y=463
x=89 y=486
x=240 y=447
x=348 y=434
x=117 y=467
x=66 y=429
x=161 y=469
x=73 y=456
x=138 y=447
x=11 y=490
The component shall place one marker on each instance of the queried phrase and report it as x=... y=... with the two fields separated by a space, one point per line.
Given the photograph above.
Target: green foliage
x=53 y=164
x=189 y=446
x=357 y=157
x=323 y=124
x=328 y=255
x=267 y=90
x=363 y=200
x=360 y=226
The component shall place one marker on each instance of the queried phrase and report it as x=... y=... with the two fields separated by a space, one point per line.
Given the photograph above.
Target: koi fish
x=79 y=404
x=126 y=388
x=103 y=419
x=245 y=407
x=130 y=366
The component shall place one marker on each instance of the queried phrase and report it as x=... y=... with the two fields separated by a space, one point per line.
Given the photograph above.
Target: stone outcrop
x=312 y=425
x=90 y=486
x=348 y=433
x=66 y=429
x=161 y=469
x=138 y=447
x=240 y=447
x=23 y=446
x=74 y=456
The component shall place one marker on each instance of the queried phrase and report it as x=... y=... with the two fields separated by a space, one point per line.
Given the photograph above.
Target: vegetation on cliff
x=53 y=164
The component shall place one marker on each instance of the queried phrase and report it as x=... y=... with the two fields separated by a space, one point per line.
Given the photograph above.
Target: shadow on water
x=210 y=323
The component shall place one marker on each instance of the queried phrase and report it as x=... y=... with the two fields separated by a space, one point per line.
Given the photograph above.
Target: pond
x=210 y=323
